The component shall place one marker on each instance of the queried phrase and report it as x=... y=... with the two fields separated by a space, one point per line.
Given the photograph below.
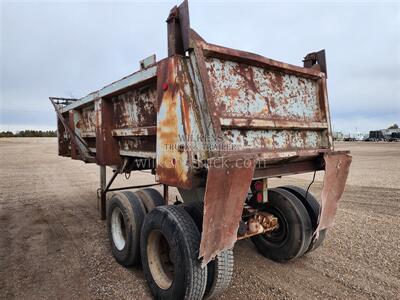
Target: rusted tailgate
x=260 y=105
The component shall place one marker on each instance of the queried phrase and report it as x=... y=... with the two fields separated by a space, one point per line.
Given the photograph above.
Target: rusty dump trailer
x=215 y=123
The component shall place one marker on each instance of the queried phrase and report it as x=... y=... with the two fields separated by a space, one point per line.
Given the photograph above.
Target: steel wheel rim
x=118 y=229
x=160 y=262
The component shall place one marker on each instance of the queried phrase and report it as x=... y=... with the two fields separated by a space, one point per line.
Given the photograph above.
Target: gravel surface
x=52 y=244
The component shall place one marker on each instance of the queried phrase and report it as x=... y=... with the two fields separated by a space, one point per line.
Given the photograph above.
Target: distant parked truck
x=376 y=135
x=216 y=123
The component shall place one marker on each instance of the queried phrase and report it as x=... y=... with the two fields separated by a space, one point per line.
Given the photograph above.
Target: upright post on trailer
x=102 y=199
x=166 y=194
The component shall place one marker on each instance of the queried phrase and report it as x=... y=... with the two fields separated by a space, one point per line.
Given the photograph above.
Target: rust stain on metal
x=270 y=113
x=260 y=223
x=74 y=148
x=337 y=166
x=136 y=108
x=138 y=144
x=272 y=140
x=242 y=90
x=186 y=96
x=87 y=122
x=107 y=150
x=172 y=166
x=226 y=191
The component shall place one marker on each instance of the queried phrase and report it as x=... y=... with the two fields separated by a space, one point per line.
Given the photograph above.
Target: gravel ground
x=52 y=244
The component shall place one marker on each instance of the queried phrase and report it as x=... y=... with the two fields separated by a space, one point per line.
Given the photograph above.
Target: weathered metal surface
x=178 y=29
x=225 y=53
x=107 y=150
x=260 y=223
x=207 y=132
x=226 y=190
x=325 y=115
x=317 y=61
x=287 y=167
x=172 y=124
x=207 y=103
x=244 y=101
x=74 y=139
x=184 y=24
x=124 y=83
x=137 y=131
x=135 y=108
x=175 y=44
x=139 y=146
x=147 y=62
x=87 y=121
x=242 y=90
x=272 y=140
x=73 y=116
x=248 y=123
x=337 y=166
x=63 y=140
x=179 y=124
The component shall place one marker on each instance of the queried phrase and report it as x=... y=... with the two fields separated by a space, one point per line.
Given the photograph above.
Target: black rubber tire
x=130 y=212
x=179 y=231
x=195 y=210
x=219 y=274
x=151 y=198
x=292 y=238
x=314 y=210
x=220 y=269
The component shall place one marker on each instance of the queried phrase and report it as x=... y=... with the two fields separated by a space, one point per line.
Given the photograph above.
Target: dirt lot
x=52 y=244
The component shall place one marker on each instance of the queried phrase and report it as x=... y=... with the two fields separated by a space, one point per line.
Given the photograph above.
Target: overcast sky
x=72 y=48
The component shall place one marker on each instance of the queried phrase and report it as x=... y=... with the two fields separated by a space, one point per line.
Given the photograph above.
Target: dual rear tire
x=298 y=213
x=125 y=216
x=220 y=269
x=169 y=247
x=126 y=212
x=314 y=211
x=170 y=241
x=166 y=239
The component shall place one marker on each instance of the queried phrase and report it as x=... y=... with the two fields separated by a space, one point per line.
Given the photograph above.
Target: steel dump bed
x=207 y=120
x=213 y=102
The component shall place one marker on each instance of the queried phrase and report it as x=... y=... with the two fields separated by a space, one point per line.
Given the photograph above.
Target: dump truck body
x=218 y=102
x=210 y=121
x=181 y=115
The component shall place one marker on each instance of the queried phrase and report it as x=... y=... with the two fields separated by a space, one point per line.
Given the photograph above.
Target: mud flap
x=226 y=190
x=337 y=167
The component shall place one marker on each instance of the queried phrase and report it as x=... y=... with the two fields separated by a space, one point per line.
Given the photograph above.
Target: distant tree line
x=29 y=133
